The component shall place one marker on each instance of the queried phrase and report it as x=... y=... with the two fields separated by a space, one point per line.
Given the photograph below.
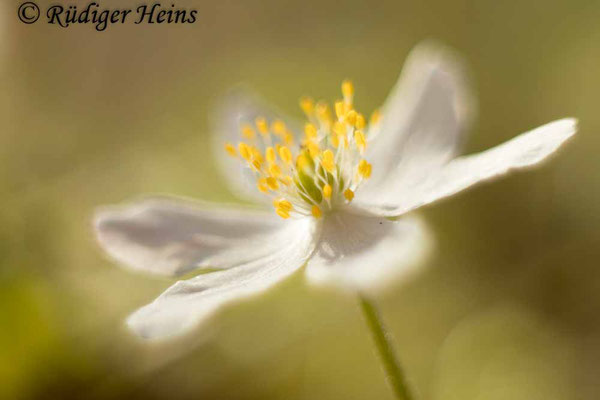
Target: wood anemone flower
x=342 y=188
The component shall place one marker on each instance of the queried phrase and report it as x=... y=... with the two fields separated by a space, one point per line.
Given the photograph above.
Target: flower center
x=320 y=172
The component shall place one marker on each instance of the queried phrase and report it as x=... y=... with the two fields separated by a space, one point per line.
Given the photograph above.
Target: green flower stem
x=391 y=366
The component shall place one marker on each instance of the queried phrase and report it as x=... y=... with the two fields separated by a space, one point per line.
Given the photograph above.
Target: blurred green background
x=508 y=308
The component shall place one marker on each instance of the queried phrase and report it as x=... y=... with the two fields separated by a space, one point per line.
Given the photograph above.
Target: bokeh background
x=508 y=307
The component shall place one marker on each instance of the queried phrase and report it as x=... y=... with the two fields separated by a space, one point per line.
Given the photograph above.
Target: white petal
x=367 y=253
x=522 y=151
x=424 y=117
x=175 y=236
x=239 y=107
x=187 y=303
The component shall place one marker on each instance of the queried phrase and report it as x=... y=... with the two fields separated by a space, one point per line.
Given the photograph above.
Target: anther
x=308 y=106
x=270 y=155
x=360 y=121
x=339 y=132
x=285 y=154
x=282 y=213
x=335 y=140
x=310 y=131
x=348 y=90
x=340 y=111
x=313 y=149
x=375 y=117
x=248 y=132
x=327 y=160
x=261 y=125
x=262 y=185
x=364 y=169
x=351 y=117
x=348 y=194
x=316 y=211
x=275 y=170
x=278 y=127
x=339 y=128
x=244 y=151
x=327 y=190
x=323 y=111
x=272 y=183
x=283 y=204
x=288 y=138
x=230 y=149
x=360 y=140
x=256 y=154
x=302 y=162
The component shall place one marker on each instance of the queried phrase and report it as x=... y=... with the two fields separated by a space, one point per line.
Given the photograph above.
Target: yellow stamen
x=323 y=111
x=339 y=128
x=275 y=170
x=351 y=117
x=282 y=213
x=348 y=194
x=244 y=150
x=313 y=149
x=327 y=190
x=335 y=140
x=359 y=139
x=316 y=211
x=347 y=90
x=302 y=162
x=278 y=127
x=340 y=111
x=283 y=204
x=262 y=185
x=364 y=168
x=327 y=160
x=339 y=132
x=261 y=125
x=270 y=155
x=272 y=183
x=257 y=155
x=308 y=105
x=230 y=149
x=288 y=138
x=360 y=121
x=285 y=154
x=375 y=117
x=248 y=132
x=316 y=171
x=310 y=131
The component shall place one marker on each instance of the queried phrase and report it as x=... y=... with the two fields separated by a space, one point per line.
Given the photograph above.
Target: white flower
x=341 y=195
